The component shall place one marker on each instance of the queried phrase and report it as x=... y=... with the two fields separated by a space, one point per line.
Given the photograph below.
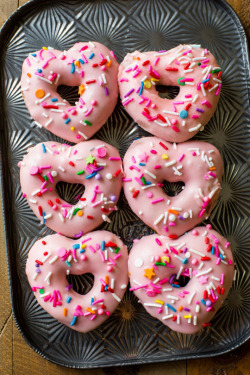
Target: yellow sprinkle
x=159 y=301
x=165 y=258
x=45 y=48
x=155 y=80
x=72 y=128
x=83 y=246
x=147 y=84
x=187 y=316
x=164 y=156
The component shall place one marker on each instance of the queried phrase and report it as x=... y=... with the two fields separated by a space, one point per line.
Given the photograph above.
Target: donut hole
x=182 y=281
x=172 y=189
x=167 y=92
x=81 y=284
x=70 y=193
x=69 y=93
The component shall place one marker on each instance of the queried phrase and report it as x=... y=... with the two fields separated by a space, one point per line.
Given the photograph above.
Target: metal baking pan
x=130 y=336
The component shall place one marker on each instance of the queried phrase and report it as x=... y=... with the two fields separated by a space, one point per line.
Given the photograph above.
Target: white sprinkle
x=208 y=71
x=215 y=278
x=47 y=278
x=105 y=218
x=200 y=266
x=235 y=272
x=170 y=163
x=160 y=123
x=204 y=272
x=195 y=320
x=178 y=257
x=160 y=54
x=48 y=122
x=83 y=135
x=171 y=113
x=147 y=186
x=191 y=298
x=25 y=89
x=49 y=150
x=217 y=80
x=213 y=192
x=123 y=286
x=212 y=286
x=197 y=252
x=35 y=276
x=188 y=71
x=173 y=297
x=195 y=98
x=33 y=201
x=165 y=218
x=53 y=260
x=116 y=297
x=176 y=172
x=152 y=304
x=178 y=319
x=190 y=214
x=61 y=168
x=157 y=221
x=56 y=110
x=38 y=124
x=203 y=90
x=199 y=58
x=46 y=257
x=106 y=254
x=183 y=123
x=136 y=282
x=112 y=285
x=167 y=290
x=150 y=174
x=44 y=295
x=179 y=273
x=47 y=216
x=189 y=83
x=104 y=78
x=35 y=192
x=144 y=78
x=45 y=80
x=213 y=88
x=180 y=246
x=156 y=281
x=195 y=128
x=167 y=316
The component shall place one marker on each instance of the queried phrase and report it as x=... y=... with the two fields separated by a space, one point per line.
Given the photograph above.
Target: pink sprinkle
x=65 y=213
x=227 y=244
x=222 y=279
x=39 y=74
x=198 y=86
x=28 y=61
x=84 y=58
x=218 y=261
x=126 y=179
x=87 y=239
x=207 y=103
x=212 y=294
x=88 y=112
x=174 y=108
x=137 y=73
x=117 y=256
x=212 y=174
x=157 y=200
x=66 y=205
x=195 y=116
x=124 y=80
x=202 y=212
x=181 y=157
x=50 y=177
x=139 y=181
x=157 y=166
x=113 y=158
x=47 y=298
x=185 y=292
x=138 y=287
x=230 y=262
x=158 y=242
x=156 y=61
x=181 y=295
x=173 y=250
x=83 y=48
x=24 y=195
x=218 y=90
x=186 y=80
x=148 y=103
x=172 y=224
x=177 y=103
x=97 y=301
x=153 y=152
x=45 y=167
x=93 y=317
x=128 y=101
x=188 y=96
x=175 y=128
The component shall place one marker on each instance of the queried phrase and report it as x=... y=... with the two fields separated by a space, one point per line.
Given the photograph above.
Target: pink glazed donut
x=92 y=67
x=149 y=161
x=192 y=69
x=94 y=164
x=51 y=259
x=182 y=282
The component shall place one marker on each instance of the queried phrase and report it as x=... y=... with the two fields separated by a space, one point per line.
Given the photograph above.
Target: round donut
x=94 y=164
x=54 y=257
x=182 y=282
x=92 y=67
x=149 y=161
x=192 y=69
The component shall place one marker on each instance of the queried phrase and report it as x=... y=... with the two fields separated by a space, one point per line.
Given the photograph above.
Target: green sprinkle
x=143 y=180
x=181 y=83
x=88 y=123
x=216 y=70
x=80 y=172
x=160 y=264
x=117 y=249
x=41 y=291
x=199 y=64
x=68 y=264
x=45 y=178
x=76 y=210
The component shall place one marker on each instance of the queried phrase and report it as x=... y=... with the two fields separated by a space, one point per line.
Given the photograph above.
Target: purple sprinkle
x=128 y=93
x=69 y=286
x=106 y=91
x=181 y=217
x=185 y=250
x=186 y=309
x=199 y=110
x=78 y=235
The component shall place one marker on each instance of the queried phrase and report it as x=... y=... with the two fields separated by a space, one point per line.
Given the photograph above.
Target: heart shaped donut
x=92 y=67
x=94 y=164
x=182 y=282
x=149 y=161
x=100 y=253
x=192 y=70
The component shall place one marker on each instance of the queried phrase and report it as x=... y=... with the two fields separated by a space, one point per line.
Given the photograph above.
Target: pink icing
x=190 y=110
x=167 y=215
x=102 y=178
x=204 y=289
x=98 y=89
x=52 y=290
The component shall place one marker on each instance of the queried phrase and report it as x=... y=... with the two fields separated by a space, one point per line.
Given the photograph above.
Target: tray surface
x=130 y=335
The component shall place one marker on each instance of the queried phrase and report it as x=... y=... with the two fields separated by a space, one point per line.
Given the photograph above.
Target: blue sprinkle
x=212 y=251
x=43 y=218
x=205 y=80
x=148 y=183
x=106 y=287
x=142 y=164
x=44 y=148
x=73 y=68
x=185 y=261
x=91 y=175
x=203 y=301
x=33 y=54
x=171 y=307
x=183 y=114
x=81 y=61
x=82 y=251
x=68 y=299
x=141 y=89
x=68 y=264
x=92 y=300
x=175 y=286
x=76 y=246
x=67 y=121
x=39 y=70
x=103 y=245
x=73 y=321
x=91 y=56
x=221 y=256
x=54 y=99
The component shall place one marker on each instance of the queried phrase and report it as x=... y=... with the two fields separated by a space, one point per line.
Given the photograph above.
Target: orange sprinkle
x=106 y=279
x=81 y=89
x=80 y=213
x=173 y=211
x=109 y=63
x=29 y=75
x=65 y=311
x=212 y=168
x=40 y=93
x=77 y=63
x=180 y=308
x=90 y=310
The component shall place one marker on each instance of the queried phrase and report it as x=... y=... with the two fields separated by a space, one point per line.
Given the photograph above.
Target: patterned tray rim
x=6 y=32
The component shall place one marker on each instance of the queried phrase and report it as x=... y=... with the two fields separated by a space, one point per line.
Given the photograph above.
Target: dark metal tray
x=130 y=336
